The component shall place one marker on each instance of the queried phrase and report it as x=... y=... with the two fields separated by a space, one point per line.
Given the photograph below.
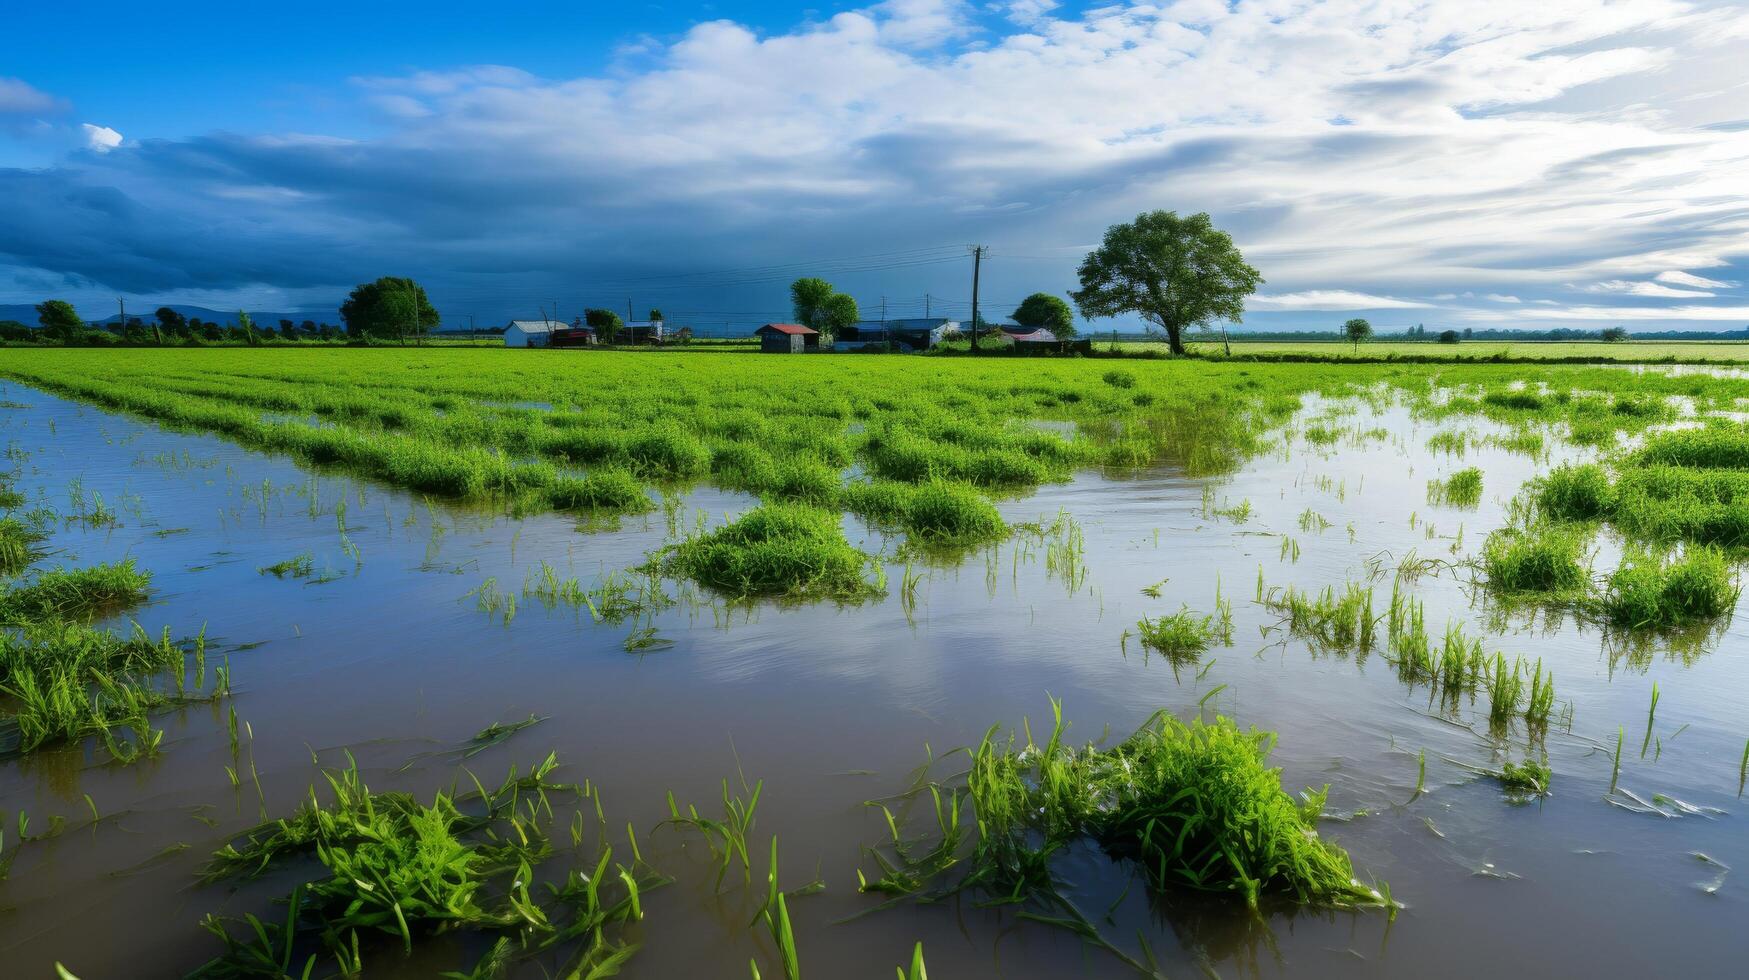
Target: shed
x=787 y=338
x=531 y=333
x=1036 y=336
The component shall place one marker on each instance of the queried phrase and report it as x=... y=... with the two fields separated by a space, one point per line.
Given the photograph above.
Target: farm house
x=787 y=338
x=531 y=333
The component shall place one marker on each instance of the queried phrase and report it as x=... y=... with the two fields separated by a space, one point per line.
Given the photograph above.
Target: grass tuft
x=776 y=550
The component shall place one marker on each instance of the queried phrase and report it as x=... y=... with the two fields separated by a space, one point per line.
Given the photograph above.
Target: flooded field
x=358 y=619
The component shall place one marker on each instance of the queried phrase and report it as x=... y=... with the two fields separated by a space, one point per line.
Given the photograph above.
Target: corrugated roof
x=789 y=328
x=1039 y=336
x=538 y=326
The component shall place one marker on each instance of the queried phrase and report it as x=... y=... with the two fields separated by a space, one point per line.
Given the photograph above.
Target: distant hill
x=26 y=313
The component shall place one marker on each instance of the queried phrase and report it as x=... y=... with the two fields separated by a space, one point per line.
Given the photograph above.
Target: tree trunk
x=1174 y=338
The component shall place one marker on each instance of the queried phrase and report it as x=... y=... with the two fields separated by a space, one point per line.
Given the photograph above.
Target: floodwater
x=385 y=653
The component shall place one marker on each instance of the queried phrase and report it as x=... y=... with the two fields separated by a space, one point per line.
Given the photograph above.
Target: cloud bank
x=1435 y=158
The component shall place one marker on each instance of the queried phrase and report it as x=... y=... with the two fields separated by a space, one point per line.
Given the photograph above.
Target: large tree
x=1047 y=311
x=59 y=319
x=821 y=307
x=1174 y=272
x=1357 y=330
x=390 y=307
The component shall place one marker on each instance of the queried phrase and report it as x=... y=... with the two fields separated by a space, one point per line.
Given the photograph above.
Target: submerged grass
x=75 y=593
x=1191 y=806
x=1461 y=489
x=1650 y=592
x=788 y=550
x=394 y=868
x=1543 y=558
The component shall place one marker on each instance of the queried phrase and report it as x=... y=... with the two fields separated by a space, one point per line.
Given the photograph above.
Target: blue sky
x=1476 y=164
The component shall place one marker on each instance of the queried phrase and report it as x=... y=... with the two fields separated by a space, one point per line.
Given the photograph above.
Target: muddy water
x=389 y=656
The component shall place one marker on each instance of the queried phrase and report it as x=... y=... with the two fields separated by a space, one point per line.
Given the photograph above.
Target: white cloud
x=1333 y=299
x=1677 y=278
x=1708 y=313
x=19 y=98
x=1483 y=152
x=1645 y=289
x=100 y=138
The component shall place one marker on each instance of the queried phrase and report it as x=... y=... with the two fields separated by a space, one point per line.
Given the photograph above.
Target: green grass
x=75 y=593
x=1649 y=592
x=787 y=550
x=1544 y=558
x=1184 y=635
x=1189 y=806
x=1461 y=489
x=1330 y=621
x=297 y=566
x=390 y=870
x=1530 y=777
x=67 y=681
x=934 y=512
x=18 y=541
x=1575 y=493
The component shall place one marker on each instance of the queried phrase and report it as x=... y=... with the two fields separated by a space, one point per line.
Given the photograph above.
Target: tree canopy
x=1048 y=311
x=390 y=307
x=1357 y=330
x=59 y=319
x=821 y=307
x=1174 y=272
x=605 y=323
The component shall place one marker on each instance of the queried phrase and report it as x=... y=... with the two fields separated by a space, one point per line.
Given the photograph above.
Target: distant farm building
x=531 y=333
x=641 y=332
x=575 y=335
x=1034 y=336
x=920 y=333
x=787 y=338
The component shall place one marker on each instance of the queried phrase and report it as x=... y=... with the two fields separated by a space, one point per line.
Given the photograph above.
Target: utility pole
x=471 y=336
x=122 y=323
x=977 y=265
x=925 y=306
x=886 y=337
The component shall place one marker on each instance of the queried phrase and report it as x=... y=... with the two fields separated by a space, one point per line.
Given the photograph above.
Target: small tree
x=839 y=312
x=392 y=306
x=655 y=315
x=1174 y=272
x=1357 y=330
x=1448 y=336
x=605 y=323
x=1615 y=335
x=818 y=306
x=59 y=319
x=1047 y=311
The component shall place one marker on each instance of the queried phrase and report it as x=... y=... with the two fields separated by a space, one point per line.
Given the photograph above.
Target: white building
x=531 y=333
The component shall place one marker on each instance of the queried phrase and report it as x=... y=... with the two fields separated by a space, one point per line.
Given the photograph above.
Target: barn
x=787 y=338
x=531 y=333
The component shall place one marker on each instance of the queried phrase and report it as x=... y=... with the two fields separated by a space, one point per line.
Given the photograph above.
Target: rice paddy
x=270 y=619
